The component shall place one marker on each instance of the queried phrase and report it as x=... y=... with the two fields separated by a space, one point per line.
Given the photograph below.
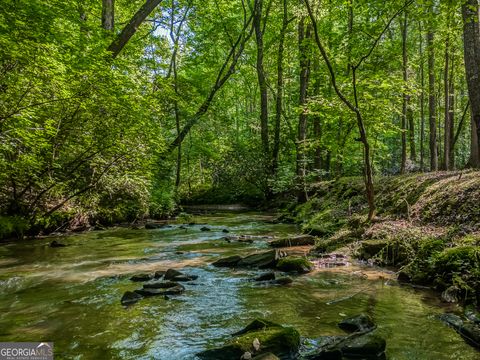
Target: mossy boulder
x=274 y=338
x=299 y=240
x=297 y=264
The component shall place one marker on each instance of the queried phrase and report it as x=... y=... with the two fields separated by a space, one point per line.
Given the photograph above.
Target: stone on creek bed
x=262 y=260
x=297 y=264
x=468 y=330
x=175 y=290
x=299 y=240
x=175 y=275
x=359 y=323
x=142 y=277
x=271 y=338
x=56 y=244
x=230 y=261
x=266 y=277
x=357 y=346
x=130 y=298
x=160 y=285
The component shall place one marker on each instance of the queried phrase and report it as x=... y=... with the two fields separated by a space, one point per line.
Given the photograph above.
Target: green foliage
x=12 y=226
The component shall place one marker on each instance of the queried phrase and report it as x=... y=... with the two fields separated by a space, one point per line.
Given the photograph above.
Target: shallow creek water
x=71 y=296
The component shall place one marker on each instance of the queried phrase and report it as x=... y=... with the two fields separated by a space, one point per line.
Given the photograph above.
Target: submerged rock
x=130 y=298
x=56 y=244
x=158 y=274
x=452 y=294
x=267 y=259
x=142 y=277
x=359 y=323
x=175 y=290
x=225 y=231
x=469 y=331
x=297 y=264
x=364 y=346
x=160 y=285
x=259 y=336
x=299 y=240
x=283 y=281
x=204 y=228
x=266 y=356
x=266 y=277
x=153 y=226
x=175 y=275
x=230 y=261
x=472 y=314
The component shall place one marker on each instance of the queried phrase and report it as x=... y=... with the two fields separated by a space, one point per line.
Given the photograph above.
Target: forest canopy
x=114 y=111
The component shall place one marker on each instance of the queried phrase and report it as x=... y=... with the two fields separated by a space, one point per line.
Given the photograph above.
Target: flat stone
x=368 y=345
x=262 y=260
x=230 y=261
x=142 y=277
x=266 y=277
x=175 y=290
x=130 y=297
x=160 y=285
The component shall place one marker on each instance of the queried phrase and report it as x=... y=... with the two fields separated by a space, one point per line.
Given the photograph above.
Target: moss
x=280 y=340
x=295 y=264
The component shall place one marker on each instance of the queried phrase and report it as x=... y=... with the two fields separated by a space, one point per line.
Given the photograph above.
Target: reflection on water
x=72 y=296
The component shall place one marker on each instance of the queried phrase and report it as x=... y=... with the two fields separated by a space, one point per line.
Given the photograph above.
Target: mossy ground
x=427 y=225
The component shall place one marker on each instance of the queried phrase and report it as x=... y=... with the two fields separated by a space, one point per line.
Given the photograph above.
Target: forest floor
x=427 y=226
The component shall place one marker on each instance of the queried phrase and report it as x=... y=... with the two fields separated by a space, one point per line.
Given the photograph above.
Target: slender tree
x=471 y=42
x=432 y=101
x=108 y=14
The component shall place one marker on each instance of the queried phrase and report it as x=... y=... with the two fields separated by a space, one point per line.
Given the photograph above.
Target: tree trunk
x=422 y=104
x=451 y=117
x=303 y=36
x=471 y=43
x=432 y=102
x=447 y=126
x=108 y=14
x=131 y=28
x=405 y=95
x=262 y=82
x=279 y=99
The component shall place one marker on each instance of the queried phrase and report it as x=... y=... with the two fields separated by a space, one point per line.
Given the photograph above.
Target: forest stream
x=71 y=295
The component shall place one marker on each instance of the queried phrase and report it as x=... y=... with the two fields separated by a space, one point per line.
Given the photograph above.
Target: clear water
x=71 y=296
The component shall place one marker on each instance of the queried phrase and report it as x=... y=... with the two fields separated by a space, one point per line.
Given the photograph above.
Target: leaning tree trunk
x=471 y=41
x=131 y=28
